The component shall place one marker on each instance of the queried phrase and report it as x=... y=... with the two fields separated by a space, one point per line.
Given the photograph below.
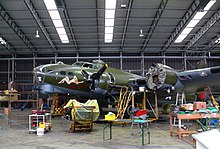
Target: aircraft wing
x=162 y=77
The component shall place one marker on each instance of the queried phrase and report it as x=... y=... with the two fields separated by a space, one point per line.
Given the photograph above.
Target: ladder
x=180 y=99
x=123 y=102
x=214 y=102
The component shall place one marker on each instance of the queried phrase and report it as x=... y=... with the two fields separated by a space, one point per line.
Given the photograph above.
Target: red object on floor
x=141 y=112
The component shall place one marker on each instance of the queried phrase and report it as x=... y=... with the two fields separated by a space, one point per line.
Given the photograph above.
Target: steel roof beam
x=126 y=23
x=7 y=18
x=153 y=25
x=7 y=45
x=70 y=26
x=212 y=43
x=34 y=13
x=204 y=29
x=191 y=11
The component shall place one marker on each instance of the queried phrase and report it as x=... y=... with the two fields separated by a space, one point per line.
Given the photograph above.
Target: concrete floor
x=59 y=137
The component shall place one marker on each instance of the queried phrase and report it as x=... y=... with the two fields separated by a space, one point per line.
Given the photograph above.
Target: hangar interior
x=143 y=32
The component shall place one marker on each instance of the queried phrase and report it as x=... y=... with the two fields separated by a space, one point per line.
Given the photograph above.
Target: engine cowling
x=159 y=74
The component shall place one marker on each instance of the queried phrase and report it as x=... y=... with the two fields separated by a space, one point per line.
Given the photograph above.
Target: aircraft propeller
x=94 y=78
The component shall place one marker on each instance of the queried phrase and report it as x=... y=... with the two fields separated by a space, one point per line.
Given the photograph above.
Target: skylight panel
x=200 y=14
x=56 y=19
x=186 y=31
x=180 y=38
x=209 y=5
x=195 y=20
x=64 y=38
x=108 y=38
x=54 y=14
x=109 y=30
x=110 y=6
x=109 y=22
x=109 y=14
x=50 y=4
x=192 y=23
x=58 y=23
x=218 y=40
x=61 y=31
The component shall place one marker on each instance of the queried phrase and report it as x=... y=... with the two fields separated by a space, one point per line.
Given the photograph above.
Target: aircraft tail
x=201 y=64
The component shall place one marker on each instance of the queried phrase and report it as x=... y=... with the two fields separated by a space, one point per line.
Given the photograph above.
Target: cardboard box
x=187 y=106
x=40 y=131
x=199 y=105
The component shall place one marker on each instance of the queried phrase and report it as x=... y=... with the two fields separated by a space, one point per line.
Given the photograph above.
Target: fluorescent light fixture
x=37 y=34
x=141 y=33
x=195 y=20
x=123 y=5
x=56 y=19
x=110 y=6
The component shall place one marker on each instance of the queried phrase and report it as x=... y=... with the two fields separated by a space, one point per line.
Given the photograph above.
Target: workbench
x=144 y=126
x=195 y=117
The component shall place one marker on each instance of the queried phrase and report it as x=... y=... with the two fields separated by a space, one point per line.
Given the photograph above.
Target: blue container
x=214 y=122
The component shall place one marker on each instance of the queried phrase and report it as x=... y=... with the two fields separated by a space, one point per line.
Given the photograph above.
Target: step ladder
x=124 y=100
x=180 y=100
x=213 y=100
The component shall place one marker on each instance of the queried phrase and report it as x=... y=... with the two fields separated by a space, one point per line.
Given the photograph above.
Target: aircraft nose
x=38 y=74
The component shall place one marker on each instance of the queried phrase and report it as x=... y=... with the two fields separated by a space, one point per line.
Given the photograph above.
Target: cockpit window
x=95 y=67
x=88 y=65
x=85 y=64
x=78 y=64
x=43 y=70
x=112 y=78
x=49 y=71
x=62 y=72
x=189 y=76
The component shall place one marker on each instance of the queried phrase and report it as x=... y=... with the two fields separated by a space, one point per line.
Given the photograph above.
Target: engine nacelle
x=159 y=74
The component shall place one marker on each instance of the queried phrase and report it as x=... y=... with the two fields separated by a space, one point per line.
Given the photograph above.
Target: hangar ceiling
x=161 y=21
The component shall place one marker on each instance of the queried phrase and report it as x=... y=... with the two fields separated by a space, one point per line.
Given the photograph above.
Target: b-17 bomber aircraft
x=97 y=80
x=91 y=80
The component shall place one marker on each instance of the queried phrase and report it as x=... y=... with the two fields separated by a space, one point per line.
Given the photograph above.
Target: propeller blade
x=94 y=78
x=97 y=75
x=85 y=74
